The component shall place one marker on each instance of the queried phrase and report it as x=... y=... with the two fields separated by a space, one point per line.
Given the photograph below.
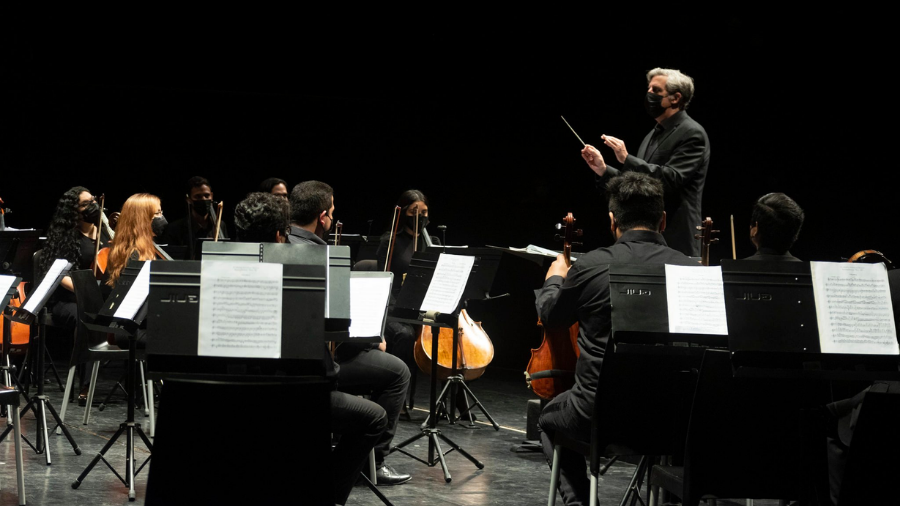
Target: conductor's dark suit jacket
x=679 y=158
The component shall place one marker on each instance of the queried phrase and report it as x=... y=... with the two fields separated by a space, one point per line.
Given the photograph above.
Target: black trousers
x=559 y=416
x=386 y=379
x=360 y=423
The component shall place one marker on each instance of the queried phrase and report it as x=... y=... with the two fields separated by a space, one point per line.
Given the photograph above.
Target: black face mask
x=91 y=213
x=411 y=222
x=201 y=207
x=158 y=225
x=653 y=105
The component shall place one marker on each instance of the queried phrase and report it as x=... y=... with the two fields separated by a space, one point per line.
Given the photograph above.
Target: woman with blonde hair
x=141 y=220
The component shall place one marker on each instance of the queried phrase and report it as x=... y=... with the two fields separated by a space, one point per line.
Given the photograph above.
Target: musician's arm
x=557 y=300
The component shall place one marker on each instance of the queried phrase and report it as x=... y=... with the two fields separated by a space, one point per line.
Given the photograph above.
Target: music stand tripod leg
x=478 y=404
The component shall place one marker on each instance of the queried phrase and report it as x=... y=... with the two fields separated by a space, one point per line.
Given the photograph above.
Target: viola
x=19 y=332
x=870 y=256
x=473 y=353
x=706 y=239
x=551 y=370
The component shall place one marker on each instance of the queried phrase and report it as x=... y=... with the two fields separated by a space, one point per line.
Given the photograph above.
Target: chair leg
x=17 y=435
x=594 y=486
x=90 y=397
x=65 y=402
x=372 y=470
x=147 y=400
x=554 y=477
x=148 y=392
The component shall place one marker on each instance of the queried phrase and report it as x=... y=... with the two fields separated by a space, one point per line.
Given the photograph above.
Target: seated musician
x=198 y=223
x=775 y=225
x=413 y=204
x=72 y=235
x=276 y=186
x=581 y=294
x=365 y=368
x=141 y=219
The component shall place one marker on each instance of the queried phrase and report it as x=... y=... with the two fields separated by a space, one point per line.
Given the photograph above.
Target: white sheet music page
x=240 y=309
x=6 y=283
x=368 y=302
x=136 y=295
x=448 y=283
x=696 y=300
x=853 y=307
x=40 y=292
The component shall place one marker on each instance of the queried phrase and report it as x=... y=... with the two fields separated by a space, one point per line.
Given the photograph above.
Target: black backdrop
x=468 y=112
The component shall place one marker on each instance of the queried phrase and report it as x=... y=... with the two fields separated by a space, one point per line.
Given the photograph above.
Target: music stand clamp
x=129 y=328
x=34 y=309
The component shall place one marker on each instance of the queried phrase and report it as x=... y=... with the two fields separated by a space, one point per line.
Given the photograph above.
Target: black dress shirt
x=302 y=236
x=583 y=297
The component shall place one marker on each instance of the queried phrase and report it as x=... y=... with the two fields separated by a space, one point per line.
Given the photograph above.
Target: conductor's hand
x=594 y=159
x=558 y=267
x=617 y=145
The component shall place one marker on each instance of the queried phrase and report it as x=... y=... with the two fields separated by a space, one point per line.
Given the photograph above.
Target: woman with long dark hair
x=72 y=236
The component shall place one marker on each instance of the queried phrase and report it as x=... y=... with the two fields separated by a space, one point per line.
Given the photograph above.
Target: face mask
x=91 y=213
x=201 y=207
x=158 y=225
x=411 y=222
x=653 y=105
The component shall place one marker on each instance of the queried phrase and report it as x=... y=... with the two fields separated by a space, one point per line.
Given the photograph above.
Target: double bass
x=474 y=350
x=551 y=370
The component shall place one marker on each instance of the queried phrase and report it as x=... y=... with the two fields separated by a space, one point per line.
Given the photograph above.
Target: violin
x=19 y=332
x=706 y=239
x=474 y=350
x=551 y=370
x=2 y=216
x=101 y=255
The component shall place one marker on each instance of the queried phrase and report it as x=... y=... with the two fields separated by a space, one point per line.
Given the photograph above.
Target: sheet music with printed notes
x=240 y=309
x=42 y=290
x=448 y=283
x=696 y=300
x=853 y=308
x=136 y=295
x=6 y=282
x=368 y=305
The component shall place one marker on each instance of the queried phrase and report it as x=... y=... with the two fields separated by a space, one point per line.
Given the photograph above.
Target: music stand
x=17 y=248
x=33 y=309
x=418 y=278
x=125 y=322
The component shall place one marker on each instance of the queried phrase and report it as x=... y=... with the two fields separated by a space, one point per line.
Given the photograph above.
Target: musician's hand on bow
x=382 y=346
x=594 y=159
x=558 y=267
x=617 y=145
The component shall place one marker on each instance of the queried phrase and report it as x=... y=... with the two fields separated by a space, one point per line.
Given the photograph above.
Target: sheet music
x=696 y=300
x=448 y=283
x=136 y=295
x=6 y=282
x=853 y=308
x=39 y=293
x=240 y=309
x=368 y=303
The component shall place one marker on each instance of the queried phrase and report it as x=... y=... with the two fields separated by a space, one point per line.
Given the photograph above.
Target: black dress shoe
x=386 y=475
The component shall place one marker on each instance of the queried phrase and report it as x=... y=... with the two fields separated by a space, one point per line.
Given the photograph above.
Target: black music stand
x=194 y=381
x=128 y=326
x=418 y=278
x=33 y=309
x=477 y=288
x=17 y=248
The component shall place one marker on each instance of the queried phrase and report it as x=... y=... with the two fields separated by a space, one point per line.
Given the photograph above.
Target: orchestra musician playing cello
x=365 y=368
x=580 y=293
x=263 y=217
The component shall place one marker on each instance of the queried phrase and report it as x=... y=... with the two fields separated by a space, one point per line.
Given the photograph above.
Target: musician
x=72 y=235
x=774 y=226
x=413 y=204
x=141 y=219
x=581 y=294
x=676 y=152
x=276 y=186
x=360 y=422
x=365 y=368
x=198 y=223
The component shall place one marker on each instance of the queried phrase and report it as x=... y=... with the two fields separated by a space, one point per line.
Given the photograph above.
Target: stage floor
x=511 y=475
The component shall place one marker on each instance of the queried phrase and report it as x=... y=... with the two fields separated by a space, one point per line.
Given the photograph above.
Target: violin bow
x=218 y=222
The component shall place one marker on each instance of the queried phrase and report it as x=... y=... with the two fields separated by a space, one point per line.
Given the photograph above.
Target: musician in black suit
x=774 y=226
x=676 y=152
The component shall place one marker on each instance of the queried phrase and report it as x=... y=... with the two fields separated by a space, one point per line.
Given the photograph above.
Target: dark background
x=466 y=110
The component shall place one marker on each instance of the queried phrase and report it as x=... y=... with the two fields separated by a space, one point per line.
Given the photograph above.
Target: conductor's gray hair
x=677 y=82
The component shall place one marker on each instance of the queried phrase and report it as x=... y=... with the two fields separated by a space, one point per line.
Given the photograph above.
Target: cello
x=551 y=370
x=706 y=239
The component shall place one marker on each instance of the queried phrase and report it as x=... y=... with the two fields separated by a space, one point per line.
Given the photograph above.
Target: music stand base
x=442 y=402
x=434 y=446
x=129 y=429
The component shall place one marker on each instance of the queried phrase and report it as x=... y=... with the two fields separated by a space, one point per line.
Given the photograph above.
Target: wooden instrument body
x=19 y=332
x=556 y=357
x=473 y=354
